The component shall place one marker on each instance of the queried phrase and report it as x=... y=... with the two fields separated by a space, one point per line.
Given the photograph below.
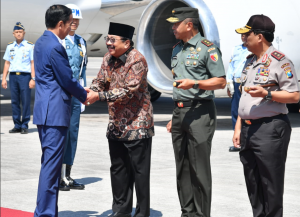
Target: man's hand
x=236 y=138
x=4 y=84
x=31 y=84
x=228 y=93
x=91 y=96
x=169 y=126
x=257 y=91
x=186 y=84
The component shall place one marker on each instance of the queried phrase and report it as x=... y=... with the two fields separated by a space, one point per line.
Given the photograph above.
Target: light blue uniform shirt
x=75 y=56
x=237 y=62
x=19 y=56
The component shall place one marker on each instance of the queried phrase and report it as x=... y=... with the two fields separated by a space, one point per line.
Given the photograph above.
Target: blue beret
x=18 y=26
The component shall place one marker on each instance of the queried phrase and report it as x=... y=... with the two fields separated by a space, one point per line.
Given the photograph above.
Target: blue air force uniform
x=77 y=57
x=20 y=57
x=236 y=66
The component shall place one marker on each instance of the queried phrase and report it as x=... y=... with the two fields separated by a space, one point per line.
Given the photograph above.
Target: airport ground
x=21 y=157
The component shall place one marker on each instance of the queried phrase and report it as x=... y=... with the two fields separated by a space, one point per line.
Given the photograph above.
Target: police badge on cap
x=120 y=29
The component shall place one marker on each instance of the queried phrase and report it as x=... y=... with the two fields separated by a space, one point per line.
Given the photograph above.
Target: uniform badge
x=199 y=49
x=256 y=78
x=289 y=74
x=81 y=54
x=188 y=62
x=230 y=60
x=287 y=68
x=268 y=63
x=238 y=80
x=12 y=57
x=264 y=59
x=194 y=63
x=191 y=49
x=285 y=65
x=67 y=47
x=277 y=55
x=173 y=72
x=194 y=52
x=214 y=57
x=209 y=50
x=79 y=45
x=207 y=42
x=188 y=56
x=265 y=79
x=263 y=71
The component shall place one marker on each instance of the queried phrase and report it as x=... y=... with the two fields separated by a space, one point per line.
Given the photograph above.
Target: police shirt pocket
x=65 y=96
x=262 y=75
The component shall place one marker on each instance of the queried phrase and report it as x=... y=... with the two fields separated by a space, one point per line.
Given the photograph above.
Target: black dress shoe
x=24 y=131
x=118 y=214
x=234 y=149
x=72 y=183
x=75 y=185
x=63 y=186
x=15 y=130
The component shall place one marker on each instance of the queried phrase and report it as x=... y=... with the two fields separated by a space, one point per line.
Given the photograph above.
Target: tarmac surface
x=21 y=157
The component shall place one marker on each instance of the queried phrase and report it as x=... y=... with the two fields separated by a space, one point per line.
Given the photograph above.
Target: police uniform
x=20 y=57
x=236 y=66
x=75 y=48
x=194 y=118
x=266 y=129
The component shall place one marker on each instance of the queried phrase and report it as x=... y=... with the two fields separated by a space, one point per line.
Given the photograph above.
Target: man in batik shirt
x=122 y=82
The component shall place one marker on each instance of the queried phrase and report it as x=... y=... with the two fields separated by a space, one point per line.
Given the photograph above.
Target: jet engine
x=155 y=39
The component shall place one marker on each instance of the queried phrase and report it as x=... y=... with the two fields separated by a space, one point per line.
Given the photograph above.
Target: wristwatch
x=269 y=96
x=196 y=85
x=33 y=78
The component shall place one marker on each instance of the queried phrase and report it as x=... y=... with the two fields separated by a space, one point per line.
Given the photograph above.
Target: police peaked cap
x=120 y=29
x=180 y=14
x=259 y=23
x=18 y=26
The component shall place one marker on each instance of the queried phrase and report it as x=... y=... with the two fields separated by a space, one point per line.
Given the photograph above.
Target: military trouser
x=192 y=132
x=263 y=154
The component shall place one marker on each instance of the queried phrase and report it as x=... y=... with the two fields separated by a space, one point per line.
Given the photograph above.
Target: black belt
x=262 y=120
x=19 y=73
x=190 y=103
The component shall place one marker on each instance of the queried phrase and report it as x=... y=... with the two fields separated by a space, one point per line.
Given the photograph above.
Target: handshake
x=92 y=96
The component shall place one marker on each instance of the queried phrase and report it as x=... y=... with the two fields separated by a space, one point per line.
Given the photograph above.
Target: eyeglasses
x=112 y=40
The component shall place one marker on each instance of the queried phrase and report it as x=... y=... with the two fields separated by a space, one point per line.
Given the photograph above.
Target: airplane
x=153 y=36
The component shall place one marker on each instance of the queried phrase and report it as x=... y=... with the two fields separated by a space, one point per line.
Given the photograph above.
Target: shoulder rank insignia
x=207 y=42
x=11 y=42
x=176 y=44
x=29 y=42
x=277 y=55
x=250 y=55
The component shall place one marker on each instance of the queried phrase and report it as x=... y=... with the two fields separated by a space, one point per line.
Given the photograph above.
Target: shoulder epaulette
x=176 y=44
x=207 y=42
x=277 y=55
x=11 y=42
x=250 y=55
x=29 y=42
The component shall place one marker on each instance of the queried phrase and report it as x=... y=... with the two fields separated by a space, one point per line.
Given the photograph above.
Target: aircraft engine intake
x=155 y=38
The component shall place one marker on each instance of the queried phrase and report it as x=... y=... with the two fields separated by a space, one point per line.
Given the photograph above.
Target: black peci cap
x=180 y=14
x=258 y=22
x=120 y=29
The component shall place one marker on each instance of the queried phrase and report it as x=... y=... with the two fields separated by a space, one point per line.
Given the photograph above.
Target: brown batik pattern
x=124 y=86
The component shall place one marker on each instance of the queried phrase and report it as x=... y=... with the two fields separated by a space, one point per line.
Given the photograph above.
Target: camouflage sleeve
x=135 y=77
